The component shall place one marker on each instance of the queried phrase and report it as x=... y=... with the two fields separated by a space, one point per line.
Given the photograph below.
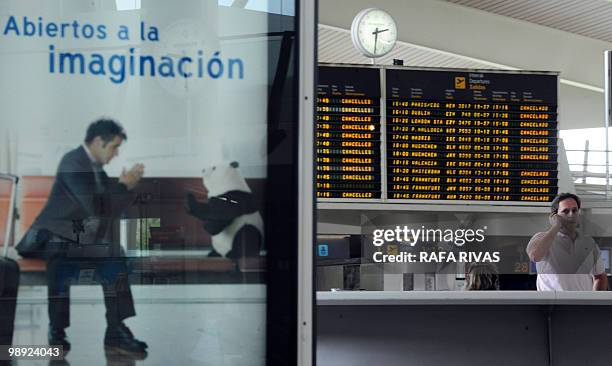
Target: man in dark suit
x=75 y=223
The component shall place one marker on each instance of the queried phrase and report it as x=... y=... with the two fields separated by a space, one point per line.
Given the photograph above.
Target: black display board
x=450 y=135
x=471 y=136
x=348 y=133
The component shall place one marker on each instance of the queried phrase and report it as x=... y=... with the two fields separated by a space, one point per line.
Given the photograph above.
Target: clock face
x=374 y=32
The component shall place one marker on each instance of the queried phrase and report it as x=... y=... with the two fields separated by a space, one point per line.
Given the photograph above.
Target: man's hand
x=556 y=222
x=131 y=177
x=600 y=282
x=539 y=246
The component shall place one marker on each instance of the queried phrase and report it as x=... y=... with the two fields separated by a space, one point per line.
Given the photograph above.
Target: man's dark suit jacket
x=76 y=196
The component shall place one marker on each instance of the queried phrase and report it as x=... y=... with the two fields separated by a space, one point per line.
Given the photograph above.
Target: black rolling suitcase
x=9 y=271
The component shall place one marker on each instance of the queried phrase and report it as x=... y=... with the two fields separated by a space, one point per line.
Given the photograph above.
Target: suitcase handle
x=9 y=219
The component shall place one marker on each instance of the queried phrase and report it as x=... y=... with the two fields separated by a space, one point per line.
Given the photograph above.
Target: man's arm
x=76 y=181
x=540 y=245
x=600 y=278
x=120 y=198
x=122 y=194
x=600 y=282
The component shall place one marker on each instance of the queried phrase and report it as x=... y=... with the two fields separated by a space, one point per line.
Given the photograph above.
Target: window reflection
x=165 y=215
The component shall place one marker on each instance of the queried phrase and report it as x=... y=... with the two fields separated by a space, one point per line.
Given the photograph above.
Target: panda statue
x=230 y=215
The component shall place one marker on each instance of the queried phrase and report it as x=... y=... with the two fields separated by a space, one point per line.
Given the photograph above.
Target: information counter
x=463 y=328
x=382 y=298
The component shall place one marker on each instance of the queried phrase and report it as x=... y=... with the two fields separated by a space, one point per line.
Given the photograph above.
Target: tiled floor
x=183 y=324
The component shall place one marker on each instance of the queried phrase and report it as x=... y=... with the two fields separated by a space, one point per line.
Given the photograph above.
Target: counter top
x=427 y=206
x=344 y=298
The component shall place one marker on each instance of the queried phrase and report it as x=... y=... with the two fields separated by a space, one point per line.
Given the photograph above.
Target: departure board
x=348 y=140
x=483 y=136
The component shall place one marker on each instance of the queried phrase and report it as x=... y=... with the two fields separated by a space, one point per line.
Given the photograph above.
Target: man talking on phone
x=566 y=259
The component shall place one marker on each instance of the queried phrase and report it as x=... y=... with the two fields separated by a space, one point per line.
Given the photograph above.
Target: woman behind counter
x=482 y=277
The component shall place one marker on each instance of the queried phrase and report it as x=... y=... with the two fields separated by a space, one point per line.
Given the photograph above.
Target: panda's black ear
x=234 y=164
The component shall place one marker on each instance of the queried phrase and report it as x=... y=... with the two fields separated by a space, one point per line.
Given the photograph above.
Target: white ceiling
x=335 y=46
x=589 y=18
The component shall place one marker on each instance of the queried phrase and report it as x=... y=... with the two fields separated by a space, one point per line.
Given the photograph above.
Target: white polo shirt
x=569 y=264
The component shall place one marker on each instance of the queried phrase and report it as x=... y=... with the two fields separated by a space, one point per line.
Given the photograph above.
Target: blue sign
x=323 y=250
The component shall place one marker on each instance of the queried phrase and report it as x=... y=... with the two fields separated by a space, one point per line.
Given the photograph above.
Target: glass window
x=155 y=146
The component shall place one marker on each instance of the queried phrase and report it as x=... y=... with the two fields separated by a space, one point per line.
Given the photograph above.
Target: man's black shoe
x=57 y=337
x=119 y=338
x=128 y=331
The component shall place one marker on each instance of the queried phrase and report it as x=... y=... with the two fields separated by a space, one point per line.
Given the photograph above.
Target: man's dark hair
x=554 y=207
x=106 y=128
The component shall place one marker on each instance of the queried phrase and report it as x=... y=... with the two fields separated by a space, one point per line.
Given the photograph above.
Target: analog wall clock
x=374 y=32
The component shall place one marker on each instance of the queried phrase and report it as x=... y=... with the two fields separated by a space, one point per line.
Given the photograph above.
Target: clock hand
x=380 y=31
x=375 y=33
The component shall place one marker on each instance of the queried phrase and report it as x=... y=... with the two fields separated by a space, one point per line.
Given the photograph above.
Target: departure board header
x=349 y=82
x=437 y=135
x=472 y=87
